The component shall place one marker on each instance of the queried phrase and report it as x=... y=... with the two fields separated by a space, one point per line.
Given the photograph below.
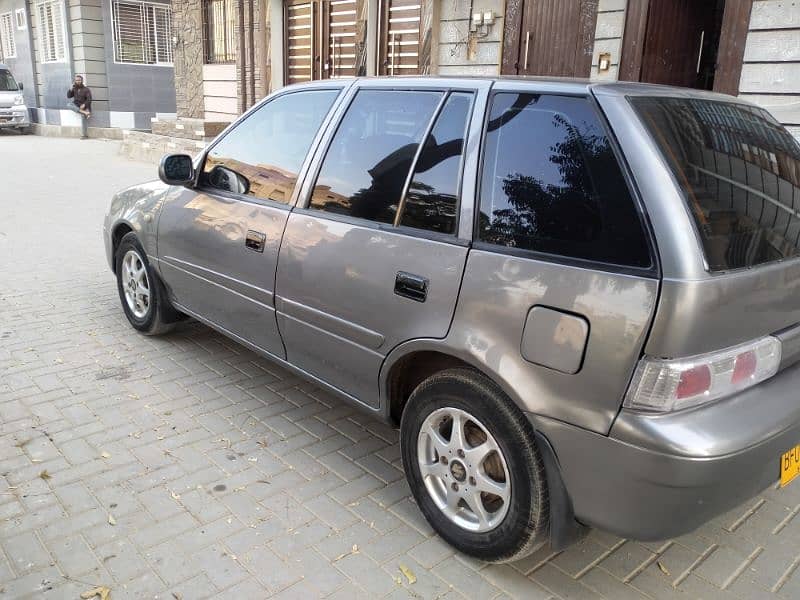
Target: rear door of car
x=372 y=254
x=562 y=281
x=218 y=243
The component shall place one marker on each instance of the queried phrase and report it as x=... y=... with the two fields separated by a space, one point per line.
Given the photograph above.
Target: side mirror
x=20 y=87
x=176 y=169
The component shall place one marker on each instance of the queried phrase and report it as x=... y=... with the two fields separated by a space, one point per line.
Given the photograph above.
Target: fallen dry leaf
x=355 y=548
x=105 y=455
x=663 y=569
x=412 y=579
x=100 y=590
x=111 y=519
x=45 y=475
x=175 y=496
x=36 y=460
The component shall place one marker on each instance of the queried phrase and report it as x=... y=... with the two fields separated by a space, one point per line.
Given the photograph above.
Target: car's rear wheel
x=473 y=466
x=143 y=297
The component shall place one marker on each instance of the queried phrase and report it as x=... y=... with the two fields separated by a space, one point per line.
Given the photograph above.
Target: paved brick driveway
x=188 y=467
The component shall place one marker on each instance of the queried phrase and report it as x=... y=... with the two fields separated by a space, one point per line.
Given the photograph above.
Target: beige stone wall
x=608 y=37
x=456 y=54
x=187 y=23
x=771 y=69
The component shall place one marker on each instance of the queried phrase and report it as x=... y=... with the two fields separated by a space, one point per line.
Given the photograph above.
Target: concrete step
x=190 y=129
x=150 y=147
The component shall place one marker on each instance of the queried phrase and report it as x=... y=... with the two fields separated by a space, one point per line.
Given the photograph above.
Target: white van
x=13 y=112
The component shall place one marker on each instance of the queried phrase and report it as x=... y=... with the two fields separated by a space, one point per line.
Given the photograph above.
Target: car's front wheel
x=473 y=466
x=143 y=297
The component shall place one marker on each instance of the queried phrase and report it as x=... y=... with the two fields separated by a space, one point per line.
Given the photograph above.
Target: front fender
x=137 y=208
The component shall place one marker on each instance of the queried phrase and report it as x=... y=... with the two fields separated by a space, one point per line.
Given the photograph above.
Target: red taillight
x=745 y=367
x=694 y=381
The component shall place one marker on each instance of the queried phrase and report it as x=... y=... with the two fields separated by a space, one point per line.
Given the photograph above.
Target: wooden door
x=662 y=42
x=400 y=36
x=301 y=41
x=321 y=40
x=549 y=37
x=679 y=34
x=342 y=48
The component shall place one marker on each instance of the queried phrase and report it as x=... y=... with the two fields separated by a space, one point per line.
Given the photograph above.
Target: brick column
x=187 y=25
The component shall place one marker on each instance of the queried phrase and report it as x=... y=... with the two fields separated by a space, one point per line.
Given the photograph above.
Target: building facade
x=122 y=48
x=210 y=60
x=231 y=53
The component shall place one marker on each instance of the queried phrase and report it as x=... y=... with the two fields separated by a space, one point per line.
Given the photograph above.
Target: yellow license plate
x=790 y=465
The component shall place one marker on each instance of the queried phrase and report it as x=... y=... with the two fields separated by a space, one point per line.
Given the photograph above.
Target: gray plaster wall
x=141 y=89
x=53 y=79
x=22 y=65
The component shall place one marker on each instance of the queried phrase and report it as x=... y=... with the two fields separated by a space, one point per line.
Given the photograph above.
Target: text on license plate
x=790 y=465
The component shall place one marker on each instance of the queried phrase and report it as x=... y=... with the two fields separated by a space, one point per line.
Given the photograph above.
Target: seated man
x=81 y=103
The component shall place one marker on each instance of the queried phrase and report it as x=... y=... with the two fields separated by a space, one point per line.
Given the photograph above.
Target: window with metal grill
x=8 y=46
x=142 y=33
x=51 y=30
x=219 y=30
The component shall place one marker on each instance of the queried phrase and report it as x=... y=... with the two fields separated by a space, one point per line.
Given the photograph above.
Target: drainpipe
x=252 y=53
x=242 y=57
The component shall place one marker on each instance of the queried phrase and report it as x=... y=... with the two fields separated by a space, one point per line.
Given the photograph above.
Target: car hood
x=7 y=98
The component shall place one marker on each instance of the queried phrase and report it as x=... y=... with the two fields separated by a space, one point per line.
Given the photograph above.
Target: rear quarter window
x=739 y=171
x=551 y=183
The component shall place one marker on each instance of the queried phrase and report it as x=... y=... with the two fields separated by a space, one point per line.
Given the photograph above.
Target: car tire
x=497 y=452
x=141 y=292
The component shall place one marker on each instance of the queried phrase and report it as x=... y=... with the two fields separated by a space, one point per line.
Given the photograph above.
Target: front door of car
x=218 y=243
x=372 y=258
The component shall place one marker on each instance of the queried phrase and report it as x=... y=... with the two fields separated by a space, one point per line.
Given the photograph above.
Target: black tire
x=525 y=526
x=160 y=317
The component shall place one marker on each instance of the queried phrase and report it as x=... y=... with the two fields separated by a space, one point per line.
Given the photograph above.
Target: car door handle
x=411 y=286
x=255 y=241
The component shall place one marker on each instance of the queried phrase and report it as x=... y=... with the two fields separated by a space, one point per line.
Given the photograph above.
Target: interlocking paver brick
x=216 y=453
x=26 y=553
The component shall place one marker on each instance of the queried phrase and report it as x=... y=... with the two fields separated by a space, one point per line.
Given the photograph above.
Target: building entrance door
x=685 y=43
x=549 y=37
x=323 y=39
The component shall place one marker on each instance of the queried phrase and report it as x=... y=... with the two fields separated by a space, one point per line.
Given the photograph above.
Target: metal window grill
x=8 y=47
x=51 y=30
x=142 y=33
x=219 y=31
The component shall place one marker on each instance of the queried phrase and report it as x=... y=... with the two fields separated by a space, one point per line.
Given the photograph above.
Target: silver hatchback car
x=579 y=302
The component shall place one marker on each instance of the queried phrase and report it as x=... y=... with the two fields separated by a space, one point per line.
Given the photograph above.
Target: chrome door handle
x=527 y=43
x=700 y=53
x=255 y=241
x=413 y=287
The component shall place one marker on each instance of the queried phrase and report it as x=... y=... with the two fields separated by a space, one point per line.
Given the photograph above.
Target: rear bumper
x=657 y=477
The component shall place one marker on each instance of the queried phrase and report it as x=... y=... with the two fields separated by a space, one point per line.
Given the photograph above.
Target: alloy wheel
x=135 y=284
x=464 y=470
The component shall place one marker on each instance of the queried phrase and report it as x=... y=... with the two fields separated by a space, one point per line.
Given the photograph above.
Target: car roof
x=568 y=85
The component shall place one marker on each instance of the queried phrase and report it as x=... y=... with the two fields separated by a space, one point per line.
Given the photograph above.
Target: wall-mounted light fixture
x=604 y=62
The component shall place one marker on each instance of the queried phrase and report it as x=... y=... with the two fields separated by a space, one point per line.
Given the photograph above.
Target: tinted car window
x=740 y=173
x=262 y=156
x=552 y=184
x=432 y=198
x=368 y=161
x=7 y=83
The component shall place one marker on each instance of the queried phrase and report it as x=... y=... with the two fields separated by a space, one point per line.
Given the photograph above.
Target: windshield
x=740 y=172
x=7 y=82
